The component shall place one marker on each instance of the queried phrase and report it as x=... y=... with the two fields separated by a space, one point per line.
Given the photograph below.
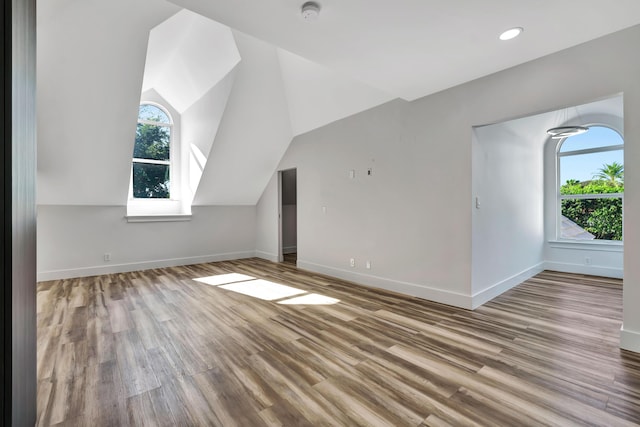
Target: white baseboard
x=437 y=295
x=267 y=255
x=629 y=340
x=493 y=291
x=289 y=249
x=592 y=270
x=135 y=266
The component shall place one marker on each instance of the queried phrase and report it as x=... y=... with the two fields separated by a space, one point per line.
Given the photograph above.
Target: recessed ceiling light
x=511 y=33
x=310 y=11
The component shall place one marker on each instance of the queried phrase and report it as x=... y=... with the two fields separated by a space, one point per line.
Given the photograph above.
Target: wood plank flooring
x=158 y=348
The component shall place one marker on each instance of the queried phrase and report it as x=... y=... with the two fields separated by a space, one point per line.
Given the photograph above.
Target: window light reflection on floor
x=310 y=299
x=265 y=290
x=223 y=279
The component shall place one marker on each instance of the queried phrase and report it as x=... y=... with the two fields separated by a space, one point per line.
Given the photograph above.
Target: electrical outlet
x=352 y=262
x=107 y=256
x=368 y=265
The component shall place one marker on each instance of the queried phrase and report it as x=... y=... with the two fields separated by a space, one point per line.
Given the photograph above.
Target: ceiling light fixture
x=511 y=33
x=566 y=131
x=310 y=11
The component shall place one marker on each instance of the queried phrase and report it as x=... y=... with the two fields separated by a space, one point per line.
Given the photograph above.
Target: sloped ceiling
x=244 y=105
x=187 y=55
x=254 y=132
x=91 y=57
x=241 y=99
x=317 y=95
x=200 y=124
x=412 y=48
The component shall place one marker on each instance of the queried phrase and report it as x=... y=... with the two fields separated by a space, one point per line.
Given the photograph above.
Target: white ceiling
x=187 y=55
x=412 y=48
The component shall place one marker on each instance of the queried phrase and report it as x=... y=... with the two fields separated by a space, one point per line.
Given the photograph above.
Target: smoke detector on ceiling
x=310 y=11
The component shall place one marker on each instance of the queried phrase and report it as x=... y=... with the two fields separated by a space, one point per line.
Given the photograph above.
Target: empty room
x=344 y=213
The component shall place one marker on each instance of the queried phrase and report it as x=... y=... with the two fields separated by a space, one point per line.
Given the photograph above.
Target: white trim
x=591 y=270
x=152 y=162
x=487 y=294
x=599 y=149
x=158 y=218
x=588 y=245
x=137 y=266
x=411 y=289
x=153 y=122
x=592 y=196
x=267 y=255
x=629 y=340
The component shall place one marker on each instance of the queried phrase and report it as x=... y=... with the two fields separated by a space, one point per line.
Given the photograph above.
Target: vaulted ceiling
x=412 y=48
x=247 y=76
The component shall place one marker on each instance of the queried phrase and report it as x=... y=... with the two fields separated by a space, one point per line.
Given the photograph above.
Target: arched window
x=591 y=185
x=151 y=177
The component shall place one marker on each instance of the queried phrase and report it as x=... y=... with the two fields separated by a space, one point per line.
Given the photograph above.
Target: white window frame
x=169 y=162
x=143 y=209
x=561 y=197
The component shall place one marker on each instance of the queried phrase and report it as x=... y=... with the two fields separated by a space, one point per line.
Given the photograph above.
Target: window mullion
x=152 y=162
x=591 y=150
x=592 y=196
x=153 y=123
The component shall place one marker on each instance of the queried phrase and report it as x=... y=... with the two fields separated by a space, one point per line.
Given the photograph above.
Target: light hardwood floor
x=158 y=348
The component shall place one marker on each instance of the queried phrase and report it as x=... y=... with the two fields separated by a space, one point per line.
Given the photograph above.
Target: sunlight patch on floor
x=223 y=279
x=263 y=289
x=310 y=299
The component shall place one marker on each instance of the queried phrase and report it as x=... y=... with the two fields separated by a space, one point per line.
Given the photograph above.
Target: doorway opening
x=288 y=215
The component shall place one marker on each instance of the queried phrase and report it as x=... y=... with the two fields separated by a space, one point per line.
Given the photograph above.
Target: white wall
x=413 y=218
x=73 y=239
x=507 y=221
x=399 y=218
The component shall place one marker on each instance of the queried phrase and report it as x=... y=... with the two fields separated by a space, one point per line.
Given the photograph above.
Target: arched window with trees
x=151 y=176
x=591 y=185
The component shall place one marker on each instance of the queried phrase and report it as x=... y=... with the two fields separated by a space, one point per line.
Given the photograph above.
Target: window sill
x=589 y=245
x=158 y=218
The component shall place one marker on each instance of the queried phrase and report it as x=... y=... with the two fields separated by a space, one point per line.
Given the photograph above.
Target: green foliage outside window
x=151 y=181
x=600 y=217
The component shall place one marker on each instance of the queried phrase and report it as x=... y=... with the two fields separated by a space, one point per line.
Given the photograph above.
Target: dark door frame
x=5 y=214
